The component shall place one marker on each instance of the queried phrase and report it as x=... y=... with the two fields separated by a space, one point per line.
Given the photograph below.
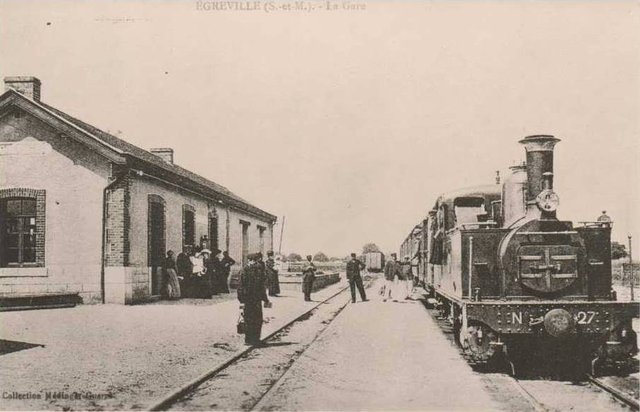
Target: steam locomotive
x=514 y=279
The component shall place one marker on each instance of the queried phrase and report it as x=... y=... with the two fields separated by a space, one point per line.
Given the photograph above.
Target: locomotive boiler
x=513 y=278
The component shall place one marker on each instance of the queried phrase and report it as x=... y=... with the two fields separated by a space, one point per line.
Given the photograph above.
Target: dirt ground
x=122 y=357
x=380 y=356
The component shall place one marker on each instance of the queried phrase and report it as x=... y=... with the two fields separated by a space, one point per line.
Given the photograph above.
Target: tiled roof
x=150 y=158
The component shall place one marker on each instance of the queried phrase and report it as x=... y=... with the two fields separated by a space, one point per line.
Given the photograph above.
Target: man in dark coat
x=214 y=270
x=309 y=275
x=272 y=275
x=251 y=293
x=185 y=269
x=354 y=266
x=226 y=263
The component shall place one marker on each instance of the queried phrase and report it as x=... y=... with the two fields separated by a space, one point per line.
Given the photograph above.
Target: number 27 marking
x=584 y=318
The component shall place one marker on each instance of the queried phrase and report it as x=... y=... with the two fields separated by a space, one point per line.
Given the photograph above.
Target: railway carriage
x=513 y=278
x=373 y=261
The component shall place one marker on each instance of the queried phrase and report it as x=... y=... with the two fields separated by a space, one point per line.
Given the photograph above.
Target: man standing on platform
x=407 y=274
x=309 y=275
x=214 y=270
x=272 y=275
x=354 y=266
x=391 y=271
x=251 y=293
x=185 y=269
x=226 y=263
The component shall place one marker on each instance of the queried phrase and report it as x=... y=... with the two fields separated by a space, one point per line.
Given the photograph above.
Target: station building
x=83 y=212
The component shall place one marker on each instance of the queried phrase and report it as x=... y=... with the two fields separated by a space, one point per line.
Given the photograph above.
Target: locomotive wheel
x=477 y=343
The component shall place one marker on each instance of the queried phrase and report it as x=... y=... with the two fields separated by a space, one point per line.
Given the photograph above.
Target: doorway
x=245 y=242
x=213 y=233
x=157 y=245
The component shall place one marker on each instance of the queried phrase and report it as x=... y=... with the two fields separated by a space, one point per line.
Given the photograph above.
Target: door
x=156 y=245
x=245 y=242
x=213 y=233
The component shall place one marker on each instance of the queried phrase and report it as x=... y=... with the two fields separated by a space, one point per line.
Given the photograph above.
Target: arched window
x=188 y=225
x=213 y=229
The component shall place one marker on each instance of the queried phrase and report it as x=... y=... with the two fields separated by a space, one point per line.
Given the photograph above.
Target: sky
x=351 y=122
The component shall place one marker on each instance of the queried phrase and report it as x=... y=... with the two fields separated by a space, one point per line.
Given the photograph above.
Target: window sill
x=22 y=272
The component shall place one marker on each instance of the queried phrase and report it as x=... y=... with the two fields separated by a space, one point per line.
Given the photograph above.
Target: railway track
x=616 y=393
x=591 y=394
x=541 y=395
x=219 y=389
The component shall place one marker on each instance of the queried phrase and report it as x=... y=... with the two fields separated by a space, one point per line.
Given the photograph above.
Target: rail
x=619 y=395
x=171 y=398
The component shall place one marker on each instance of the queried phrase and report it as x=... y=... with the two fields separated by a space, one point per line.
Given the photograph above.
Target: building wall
x=33 y=156
x=132 y=282
x=71 y=178
x=235 y=236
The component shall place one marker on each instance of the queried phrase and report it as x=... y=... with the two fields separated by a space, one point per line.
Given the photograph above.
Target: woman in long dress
x=172 y=282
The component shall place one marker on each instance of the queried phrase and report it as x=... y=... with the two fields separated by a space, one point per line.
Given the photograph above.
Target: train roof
x=488 y=192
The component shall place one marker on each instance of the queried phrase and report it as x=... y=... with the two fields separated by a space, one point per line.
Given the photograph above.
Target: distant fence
x=320 y=282
x=326 y=267
x=621 y=272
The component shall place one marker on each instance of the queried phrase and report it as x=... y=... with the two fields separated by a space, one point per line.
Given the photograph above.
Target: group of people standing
x=398 y=279
x=197 y=273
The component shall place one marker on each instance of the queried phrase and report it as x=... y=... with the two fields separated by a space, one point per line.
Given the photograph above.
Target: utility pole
x=631 y=276
x=281 y=232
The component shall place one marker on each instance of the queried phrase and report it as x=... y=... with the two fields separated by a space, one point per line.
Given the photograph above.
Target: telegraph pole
x=281 y=232
x=631 y=276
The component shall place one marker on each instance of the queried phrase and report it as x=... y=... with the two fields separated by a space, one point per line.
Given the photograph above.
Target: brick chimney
x=26 y=85
x=164 y=153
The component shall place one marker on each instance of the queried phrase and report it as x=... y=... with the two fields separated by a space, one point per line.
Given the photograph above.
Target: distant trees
x=618 y=250
x=294 y=257
x=370 y=247
x=320 y=257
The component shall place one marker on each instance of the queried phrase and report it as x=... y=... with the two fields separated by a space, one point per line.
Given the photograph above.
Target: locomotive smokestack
x=539 y=163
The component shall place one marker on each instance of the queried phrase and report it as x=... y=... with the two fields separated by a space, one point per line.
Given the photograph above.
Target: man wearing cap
x=354 y=266
x=391 y=272
x=406 y=283
x=604 y=219
x=251 y=294
x=309 y=275
x=272 y=275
